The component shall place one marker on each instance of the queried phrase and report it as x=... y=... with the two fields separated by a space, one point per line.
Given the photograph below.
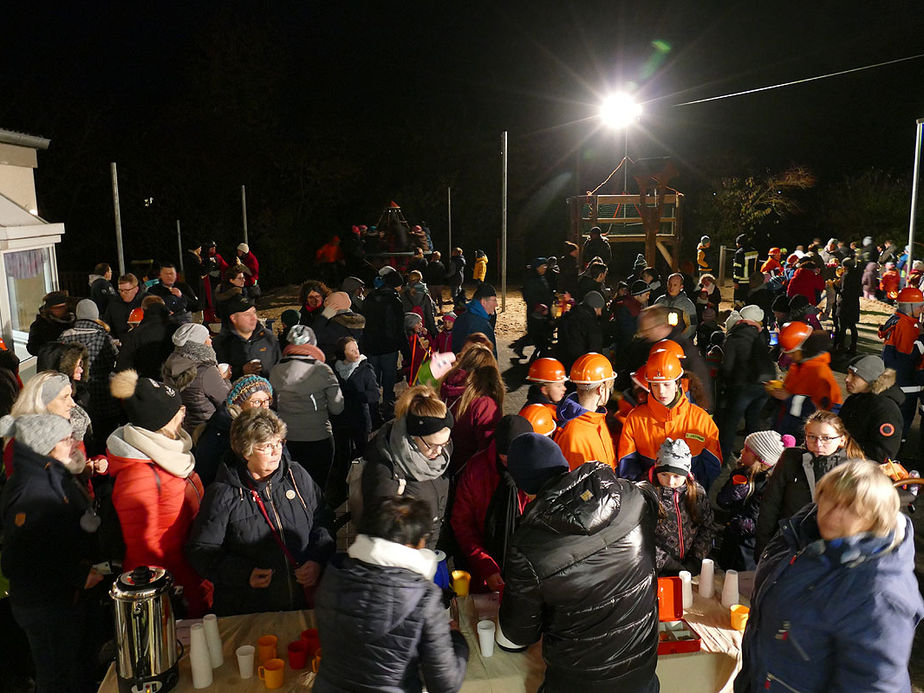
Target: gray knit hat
x=767 y=446
x=38 y=432
x=87 y=310
x=868 y=367
x=301 y=334
x=752 y=313
x=674 y=456
x=594 y=299
x=191 y=332
x=52 y=387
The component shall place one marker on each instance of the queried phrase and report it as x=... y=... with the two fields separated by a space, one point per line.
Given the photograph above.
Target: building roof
x=23 y=140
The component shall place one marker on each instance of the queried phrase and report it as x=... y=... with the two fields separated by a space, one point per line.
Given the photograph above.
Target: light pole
x=618 y=111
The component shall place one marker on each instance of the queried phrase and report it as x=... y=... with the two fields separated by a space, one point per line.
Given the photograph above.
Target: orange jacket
x=649 y=424
x=328 y=253
x=585 y=438
x=889 y=283
x=813 y=378
x=772 y=266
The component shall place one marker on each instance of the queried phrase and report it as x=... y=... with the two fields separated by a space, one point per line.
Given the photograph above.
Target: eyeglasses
x=430 y=447
x=821 y=439
x=261 y=402
x=267 y=448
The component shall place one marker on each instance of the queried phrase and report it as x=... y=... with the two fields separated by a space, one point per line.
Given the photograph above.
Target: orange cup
x=460 y=582
x=316 y=662
x=739 y=616
x=272 y=672
x=266 y=648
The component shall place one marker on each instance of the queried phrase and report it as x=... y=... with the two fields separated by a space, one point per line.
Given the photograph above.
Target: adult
x=807 y=281
x=231 y=287
x=260 y=536
x=759 y=293
x=858 y=630
x=245 y=344
x=477 y=413
x=899 y=334
x=409 y=457
x=872 y=411
x=101 y=289
x=792 y=484
x=847 y=308
x=355 y=288
x=156 y=491
x=383 y=336
x=311 y=297
x=455 y=275
x=474 y=354
x=597 y=246
x=579 y=330
x=626 y=313
x=381 y=617
x=52 y=319
x=69 y=358
x=179 y=296
x=329 y=258
x=251 y=265
x=48 y=549
x=593 y=279
x=536 y=292
x=118 y=311
x=568 y=269
x=435 y=277
x=418 y=261
x=705 y=256
x=889 y=252
x=580 y=573
x=682 y=312
x=146 y=347
x=336 y=322
x=583 y=435
x=479 y=316
x=743 y=265
x=191 y=369
x=307 y=395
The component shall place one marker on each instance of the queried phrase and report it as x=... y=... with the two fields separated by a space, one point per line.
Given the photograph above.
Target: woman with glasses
x=409 y=456
x=792 y=483
x=261 y=536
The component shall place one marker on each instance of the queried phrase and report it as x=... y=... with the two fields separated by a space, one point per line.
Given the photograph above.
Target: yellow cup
x=460 y=582
x=739 y=616
x=272 y=673
x=266 y=648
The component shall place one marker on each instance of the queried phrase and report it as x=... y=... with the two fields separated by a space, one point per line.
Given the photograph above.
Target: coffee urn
x=145 y=631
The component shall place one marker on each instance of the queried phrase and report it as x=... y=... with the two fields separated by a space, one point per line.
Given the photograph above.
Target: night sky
x=328 y=111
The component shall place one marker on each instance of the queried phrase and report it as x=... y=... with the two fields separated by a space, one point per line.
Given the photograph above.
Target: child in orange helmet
x=583 y=435
x=548 y=378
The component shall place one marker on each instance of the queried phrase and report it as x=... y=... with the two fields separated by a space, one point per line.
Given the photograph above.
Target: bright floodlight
x=619 y=111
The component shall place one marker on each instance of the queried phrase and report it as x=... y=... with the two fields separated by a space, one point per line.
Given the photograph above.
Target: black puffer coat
x=230 y=536
x=580 y=574
x=747 y=357
x=579 y=332
x=874 y=419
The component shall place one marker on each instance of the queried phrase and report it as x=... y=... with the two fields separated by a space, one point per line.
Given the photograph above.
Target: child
x=741 y=495
x=443 y=341
x=480 y=268
x=418 y=347
x=889 y=283
x=683 y=537
x=548 y=379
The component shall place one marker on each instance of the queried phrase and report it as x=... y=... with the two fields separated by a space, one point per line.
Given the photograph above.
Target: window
x=28 y=279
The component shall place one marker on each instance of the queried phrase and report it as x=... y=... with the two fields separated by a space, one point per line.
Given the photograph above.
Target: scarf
x=173 y=456
x=411 y=460
x=201 y=353
x=309 y=350
x=346 y=368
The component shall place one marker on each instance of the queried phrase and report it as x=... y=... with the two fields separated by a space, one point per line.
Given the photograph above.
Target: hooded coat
x=149 y=344
x=581 y=575
x=474 y=319
x=47 y=328
x=231 y=537
x=583 y=435
x=383 y=624
x=307 y=393
x=874 y=418
x=195 y=375
x=384 y=330
x=346 y=323
x=831 y=616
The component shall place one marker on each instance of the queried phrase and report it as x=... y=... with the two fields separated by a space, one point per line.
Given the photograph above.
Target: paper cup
x=245 y=656
x=224 y=368
x=200 y=662
x=213 y=639
x=686 y=582
x=460 y=582
x=730 y=589
x=486 y=637
x=707 y=579
x=739 y=616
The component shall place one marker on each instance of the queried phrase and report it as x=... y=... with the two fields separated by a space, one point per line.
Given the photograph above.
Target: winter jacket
x=747 y=358
x=625 y=320
x=147 y=346
x=705 y=259
x=331 y=330
x=583 y=435
x=831 y=616
x=394 y=467
x=889 y=283
x=806 y=283
x=848 y=299
x=118 y=312
x=360 y=392
x=535 y=291
x=233 y=349
x=455 y=275
x=870 y=280
x=480 y=268
x=181 y=307
x=156 y=501
x=102 y=353
x=771 y=267
x=874 y=421
x=473 y=430
x=384 y=330
x=435 y=274
x=307 y=393
x=581 y=575
x=421 y=304
x=199 y=383
x=101 y=292
x=811 y=386
x=900 y=332
x=579 y=333
x=47 y=328
x=649 y=424
x=681 y=543
x=46 y=553
x=213 y=444
x=231 y=537
x=680 y=303
x=473 y=496
x=741 y=496
x=383 y=624
x=252 y=275
x=474 y=319
x=791 y=487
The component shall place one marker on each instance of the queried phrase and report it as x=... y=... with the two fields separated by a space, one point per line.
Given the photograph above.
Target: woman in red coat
x=477 y=413
x=807 y=281
x=156 y=493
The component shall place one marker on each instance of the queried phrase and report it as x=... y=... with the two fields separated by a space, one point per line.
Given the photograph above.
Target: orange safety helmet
x=662 y=367
x=668 y=345
x=638 y=378
x=774 y=252
x=546 y=370
x=910 y=295
x=592 y=368
x=136 y=316
x=540 y=417
x=793 y=335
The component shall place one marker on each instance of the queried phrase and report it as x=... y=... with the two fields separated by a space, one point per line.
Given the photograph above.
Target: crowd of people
x=165 y=429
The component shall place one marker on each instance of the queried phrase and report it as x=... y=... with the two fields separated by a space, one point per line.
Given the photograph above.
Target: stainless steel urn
x=145 y=631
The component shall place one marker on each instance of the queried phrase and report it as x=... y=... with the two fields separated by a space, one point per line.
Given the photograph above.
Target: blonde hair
x=419 y=400
x=484 y=381
x=29 y=400
x=864 y=487
x=823 y=416
x=255 y=427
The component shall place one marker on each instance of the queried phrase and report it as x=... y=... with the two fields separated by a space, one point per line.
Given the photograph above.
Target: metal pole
x=914 y=193
x=118 y=217
x=244 y=211
x=504 y=222
x=179 y=245
x=449 y=214
x=625 y=162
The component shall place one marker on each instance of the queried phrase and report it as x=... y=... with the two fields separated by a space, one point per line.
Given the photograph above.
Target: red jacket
x=156 y=510
x=473 y=430
x=251 y=263
x=889 y=283
x=806 y=283
x=473 y=496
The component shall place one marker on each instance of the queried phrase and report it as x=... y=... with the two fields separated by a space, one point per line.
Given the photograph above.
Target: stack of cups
x=686 y=581
x=730 y=589
x=486 y=637
x=199 y=659
x=213 y=639
x=707 y=579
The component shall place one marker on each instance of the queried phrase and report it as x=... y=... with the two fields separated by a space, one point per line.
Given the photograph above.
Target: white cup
x=224 y=368
x=213 y=640
x=486 y=637
x=245 y=654
x=730 y=589
x=686 y=581
x=199 y=660
x=707 y=579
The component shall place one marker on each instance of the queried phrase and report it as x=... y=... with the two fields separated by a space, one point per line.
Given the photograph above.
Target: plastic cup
x=224 y=368
x=707 y=579
x=686 y=582
x=486 y=637
x=739 y=616
x=312 y=639
x=272 y=673
x=200 y=663
x=266 y=648
x=730 y=589
x=245 y=655
x=298 y=654
x=213 y=640
x=460 y=582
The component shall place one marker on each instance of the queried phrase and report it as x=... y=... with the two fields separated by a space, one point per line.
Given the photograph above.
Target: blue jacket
x=831 y=616
x=474 y=319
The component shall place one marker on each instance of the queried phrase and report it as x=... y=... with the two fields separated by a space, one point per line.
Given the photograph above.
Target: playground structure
x=653 y=217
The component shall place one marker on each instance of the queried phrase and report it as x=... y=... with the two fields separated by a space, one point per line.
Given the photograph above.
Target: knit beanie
x=338 y=300
x=640 y=287
x=674 y=456
x=301 y=334
x=243 y=388
x=484 y=291
x=149 y=404
x=508 y=428
x=868 y=367
x=732 y=318
x=767 y=446
x=87 y=310
x=752 y=314
x=54 y=298
x=53 y=386
x=38 y=432
x=243 y=247
x=411 y=320
x=191 y=332
x=533 y=459
x=289 y=317
x=594 y=299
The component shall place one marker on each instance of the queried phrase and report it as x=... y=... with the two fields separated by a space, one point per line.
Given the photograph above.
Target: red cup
x=312 y=639
x=298 y=654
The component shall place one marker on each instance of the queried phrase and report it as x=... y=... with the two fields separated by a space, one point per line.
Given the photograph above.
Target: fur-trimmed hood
x=883 y=382
x=350 y=320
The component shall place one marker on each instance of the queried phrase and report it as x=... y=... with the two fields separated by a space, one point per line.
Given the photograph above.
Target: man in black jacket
x=579 y=330
x=179 y=297
x=244 y=343
x=871 y=413
x=383 y=337
x=536 y=291
x=580 y=573
x=147 y=346
x=119 y=309
x=597 y=246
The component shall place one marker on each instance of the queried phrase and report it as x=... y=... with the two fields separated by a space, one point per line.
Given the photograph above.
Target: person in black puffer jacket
x=872 y=412
x=381 y=617
x=580 y=573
